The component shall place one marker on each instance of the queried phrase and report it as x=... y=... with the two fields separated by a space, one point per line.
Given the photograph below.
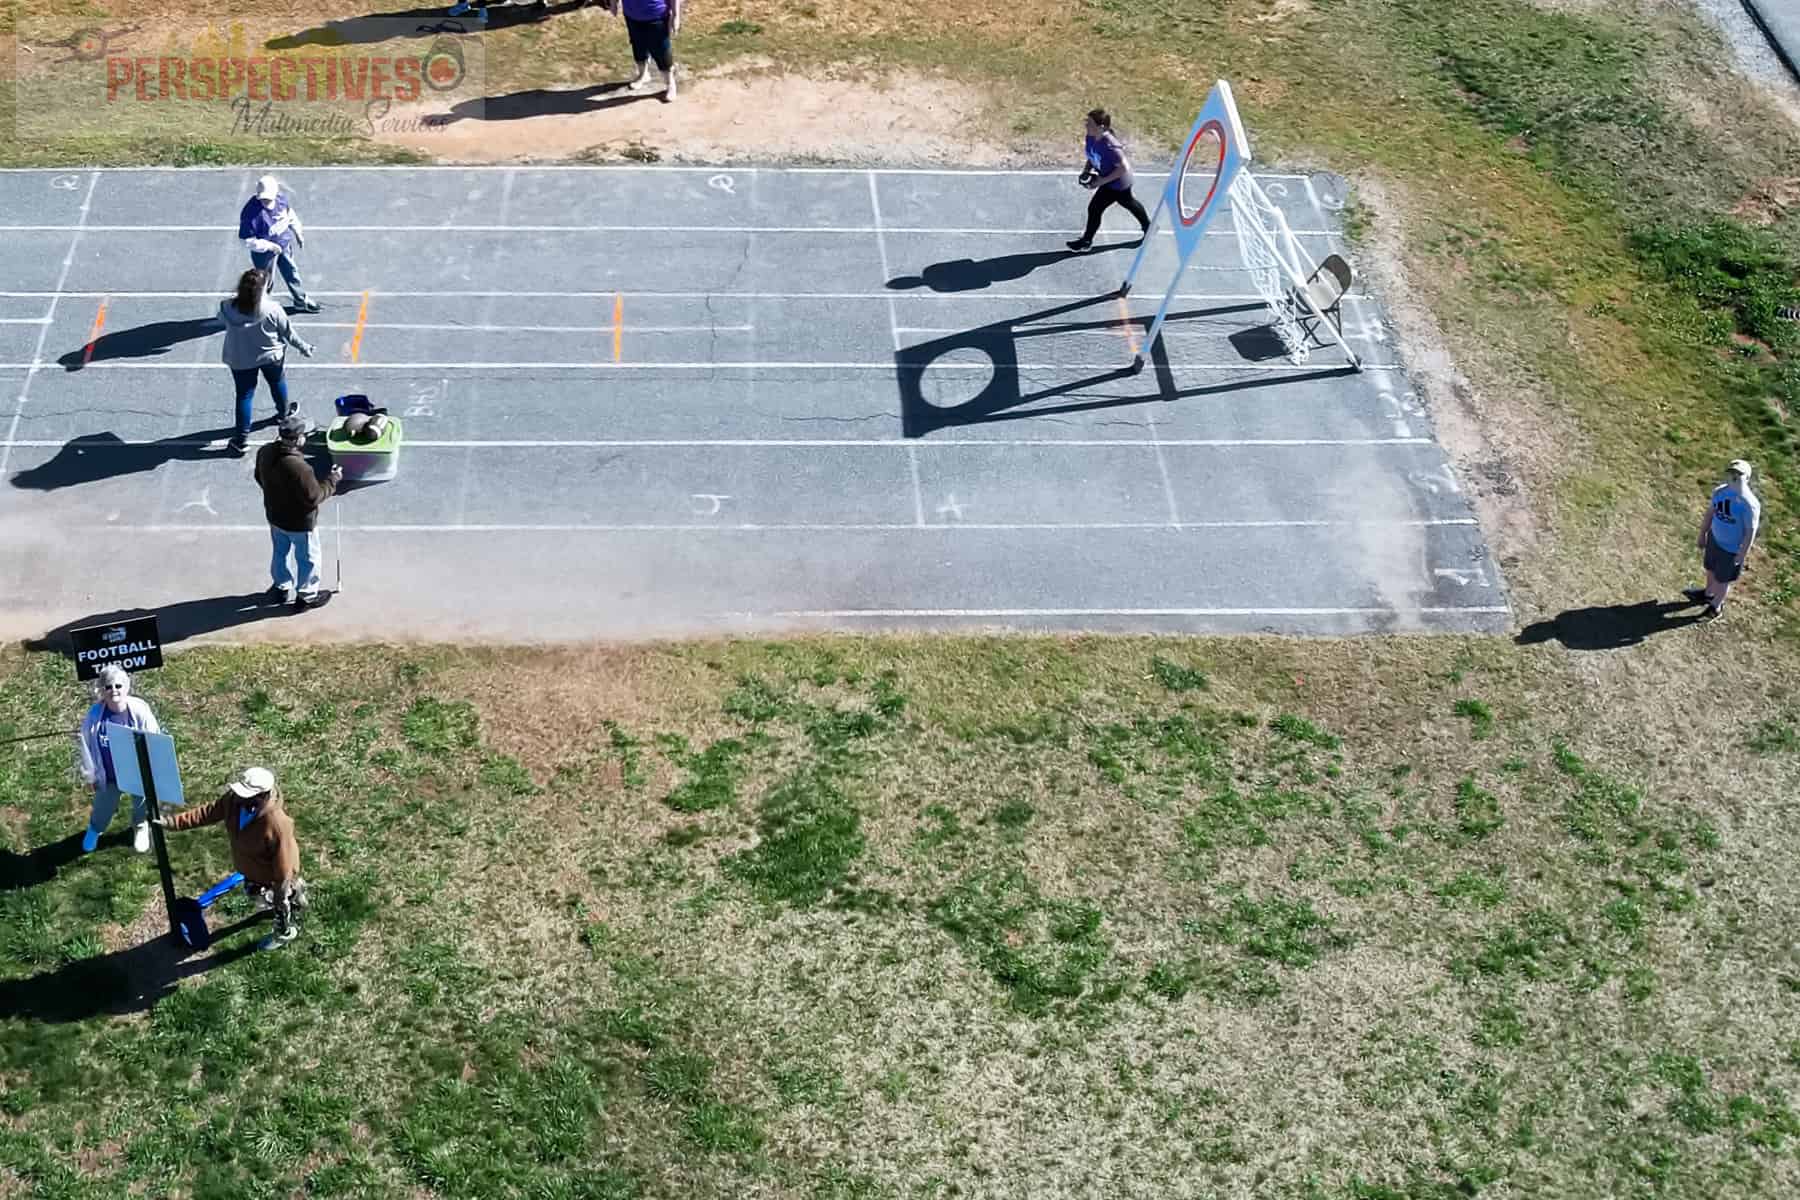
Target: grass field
x=916 y=918
x=1398 y=919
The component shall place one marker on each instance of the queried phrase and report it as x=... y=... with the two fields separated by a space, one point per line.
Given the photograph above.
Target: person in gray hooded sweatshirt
x=257 y=335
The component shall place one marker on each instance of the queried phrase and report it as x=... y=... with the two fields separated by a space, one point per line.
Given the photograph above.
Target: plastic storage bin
x=365 y=462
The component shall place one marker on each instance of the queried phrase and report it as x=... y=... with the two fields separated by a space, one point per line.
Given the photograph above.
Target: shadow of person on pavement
x=143 y=341
x=94 y=457
x=973 y=274
x=175 y=622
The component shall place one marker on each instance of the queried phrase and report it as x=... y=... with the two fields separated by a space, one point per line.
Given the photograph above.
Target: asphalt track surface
x=647 y=401
x=1780 y=21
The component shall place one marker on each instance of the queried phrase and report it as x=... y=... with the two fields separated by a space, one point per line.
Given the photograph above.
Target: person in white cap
x=94 y=748
x=263 y=847
x=270 y=228
x=1727 y=532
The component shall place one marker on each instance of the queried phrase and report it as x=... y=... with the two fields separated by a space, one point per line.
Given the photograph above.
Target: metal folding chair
x=1325 y=287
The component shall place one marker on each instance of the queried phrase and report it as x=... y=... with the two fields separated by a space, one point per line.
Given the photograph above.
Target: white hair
x=110 y=673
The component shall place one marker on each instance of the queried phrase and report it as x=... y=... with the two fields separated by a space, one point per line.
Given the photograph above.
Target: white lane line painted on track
x=24 y=320
x=1107 y=367
x=891 y=613
x=1162 y=468
x=920 y=230
x=933 y=298
x=783 y=443
x=37 y=354
x=1110 y=329
x=887 y=272
x=609 y=168
x=893 y=311
x=798 y=527
x=455 y=327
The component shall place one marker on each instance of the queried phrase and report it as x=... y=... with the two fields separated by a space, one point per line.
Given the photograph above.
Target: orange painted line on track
x=618 y=325
x=94 y=333
x=1129 y=326
x=362 y=317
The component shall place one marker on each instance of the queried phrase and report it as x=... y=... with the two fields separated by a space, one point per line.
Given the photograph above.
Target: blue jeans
x=306 y=557
x=246 y=392
x=290 y=274
x=106 y=803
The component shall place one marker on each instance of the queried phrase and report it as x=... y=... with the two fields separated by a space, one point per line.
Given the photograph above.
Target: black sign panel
x=133 y=644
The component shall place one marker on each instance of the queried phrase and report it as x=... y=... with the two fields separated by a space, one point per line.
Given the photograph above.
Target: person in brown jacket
x=263 y=848
x=292 y=494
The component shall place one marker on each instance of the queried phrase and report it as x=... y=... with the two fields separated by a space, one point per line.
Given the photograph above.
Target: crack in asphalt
x=880 y=416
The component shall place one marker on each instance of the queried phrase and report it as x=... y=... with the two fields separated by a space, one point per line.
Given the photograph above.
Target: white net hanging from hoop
x=1272 y=256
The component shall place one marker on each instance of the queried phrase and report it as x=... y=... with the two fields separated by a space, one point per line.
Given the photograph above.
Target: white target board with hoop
x=1213 y=169
x=1198 y=186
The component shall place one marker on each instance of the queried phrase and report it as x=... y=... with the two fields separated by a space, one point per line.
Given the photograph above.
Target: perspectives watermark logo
x=370 y=77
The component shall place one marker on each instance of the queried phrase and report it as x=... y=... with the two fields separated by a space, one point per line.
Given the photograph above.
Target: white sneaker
x=140 y=838
x=640 y=81
x=277 y=940
x=89 y=840
x=669 y=85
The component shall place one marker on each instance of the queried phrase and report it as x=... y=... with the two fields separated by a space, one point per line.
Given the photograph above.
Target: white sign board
x=163 y=771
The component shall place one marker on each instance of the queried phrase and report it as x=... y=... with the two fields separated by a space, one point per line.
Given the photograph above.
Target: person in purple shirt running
x=652 y=25
x=1108 y=173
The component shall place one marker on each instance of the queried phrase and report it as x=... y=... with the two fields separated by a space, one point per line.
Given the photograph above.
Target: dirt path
x=749 y=111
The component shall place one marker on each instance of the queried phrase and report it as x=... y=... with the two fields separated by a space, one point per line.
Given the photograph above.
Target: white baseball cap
x=254 y=782
x=1739 y=467
x=267 y=188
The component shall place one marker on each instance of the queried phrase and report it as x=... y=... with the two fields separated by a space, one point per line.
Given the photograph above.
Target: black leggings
x=1104 y=196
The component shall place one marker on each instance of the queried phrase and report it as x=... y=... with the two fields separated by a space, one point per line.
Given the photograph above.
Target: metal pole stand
x=153 y=811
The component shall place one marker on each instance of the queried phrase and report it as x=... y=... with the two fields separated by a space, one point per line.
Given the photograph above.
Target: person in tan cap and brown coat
x=263 y=848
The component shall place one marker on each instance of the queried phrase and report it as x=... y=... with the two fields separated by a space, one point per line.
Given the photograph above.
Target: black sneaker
x=1079 y=246
x=308 y=305
x=238 y=444
x=1713 y=612
x=316 y=599
x=1694 y=595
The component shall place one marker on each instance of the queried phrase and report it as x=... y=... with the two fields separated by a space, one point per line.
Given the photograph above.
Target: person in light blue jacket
x=95 y=745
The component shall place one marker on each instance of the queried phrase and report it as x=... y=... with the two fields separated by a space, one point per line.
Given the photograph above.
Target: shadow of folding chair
x=1325 y=287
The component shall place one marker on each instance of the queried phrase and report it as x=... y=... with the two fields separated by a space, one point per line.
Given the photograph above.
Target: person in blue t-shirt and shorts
x=1108 y=173
x=651 y=25
x=1727 y=532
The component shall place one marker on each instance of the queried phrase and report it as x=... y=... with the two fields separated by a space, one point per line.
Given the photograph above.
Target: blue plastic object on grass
x=229 y=883
x=190 y=912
